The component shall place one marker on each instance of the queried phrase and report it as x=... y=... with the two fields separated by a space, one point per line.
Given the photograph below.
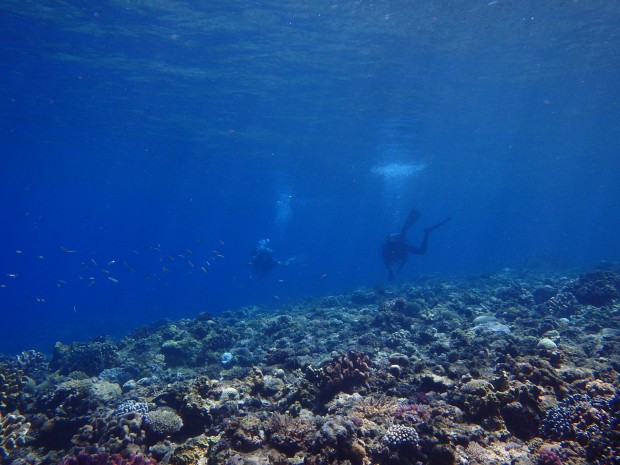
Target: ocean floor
x=506 y=368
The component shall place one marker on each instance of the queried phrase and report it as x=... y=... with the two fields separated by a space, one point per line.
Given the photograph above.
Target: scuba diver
x=263 y=260
x=397 y=248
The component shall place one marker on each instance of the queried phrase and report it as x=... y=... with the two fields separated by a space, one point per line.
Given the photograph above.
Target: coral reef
x=511 y=367
x=105 y=459
x=90 y=358
x=33 y=364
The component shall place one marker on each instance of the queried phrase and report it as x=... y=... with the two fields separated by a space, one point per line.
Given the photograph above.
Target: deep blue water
x=155 y=143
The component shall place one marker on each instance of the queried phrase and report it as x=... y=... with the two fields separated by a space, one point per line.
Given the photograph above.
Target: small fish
x=219 y=255
x=65 y=250
x=189 y=251
x=189 y=262
x=221 y=241
x=323 y=276
x=208 y=264
x=91 y=281
x=12 y=275
x=40 y=299
x=128 y=267
x=280 y=280
x=40 y=257
x=204 y=270
x=2 y=286
x=74 y=309
x=60 y=282
x=276 y=297
x=103 y=270
x=94 y=262
x=18 y=251
x=114 y=280
x=111 y=262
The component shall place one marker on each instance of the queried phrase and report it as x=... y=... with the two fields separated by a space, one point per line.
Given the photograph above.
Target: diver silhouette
x=397 y=248
x=263 y=260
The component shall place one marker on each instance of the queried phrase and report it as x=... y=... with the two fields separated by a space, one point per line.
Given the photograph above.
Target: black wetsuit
x=263 y=261
x=397 y=247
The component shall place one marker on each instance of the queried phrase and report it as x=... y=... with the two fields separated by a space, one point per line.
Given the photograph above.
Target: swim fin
x=412 y=219
x=441 y=223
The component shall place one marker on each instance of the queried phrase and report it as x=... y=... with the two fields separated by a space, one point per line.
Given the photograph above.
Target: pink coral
x=548 y=456
x=415 y=413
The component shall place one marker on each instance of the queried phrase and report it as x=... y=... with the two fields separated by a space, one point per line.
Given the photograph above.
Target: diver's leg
x=441 y=223
x=401 y=264
x=427 y=232
x=423 y=247
x=412 y=219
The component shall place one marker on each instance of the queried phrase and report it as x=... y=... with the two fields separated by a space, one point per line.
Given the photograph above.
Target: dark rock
x=442 y=455
x=544 y=293
x=399 y=359
x=598 y=288
x=520 y=421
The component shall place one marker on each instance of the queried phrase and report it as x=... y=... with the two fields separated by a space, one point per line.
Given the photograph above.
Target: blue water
x=148 y=146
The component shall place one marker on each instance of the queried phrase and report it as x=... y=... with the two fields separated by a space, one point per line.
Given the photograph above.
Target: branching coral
x=412 y=412
x=345 y=372
x=289 y=434
x=12 y=382
x=13 y=430
x=578 y=417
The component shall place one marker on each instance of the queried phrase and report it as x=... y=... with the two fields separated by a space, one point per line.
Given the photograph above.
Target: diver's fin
x=412 y=219
x=441 y=223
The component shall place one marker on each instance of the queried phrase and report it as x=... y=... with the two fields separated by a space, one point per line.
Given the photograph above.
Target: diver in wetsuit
x=263 y=261
x=397 y=248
